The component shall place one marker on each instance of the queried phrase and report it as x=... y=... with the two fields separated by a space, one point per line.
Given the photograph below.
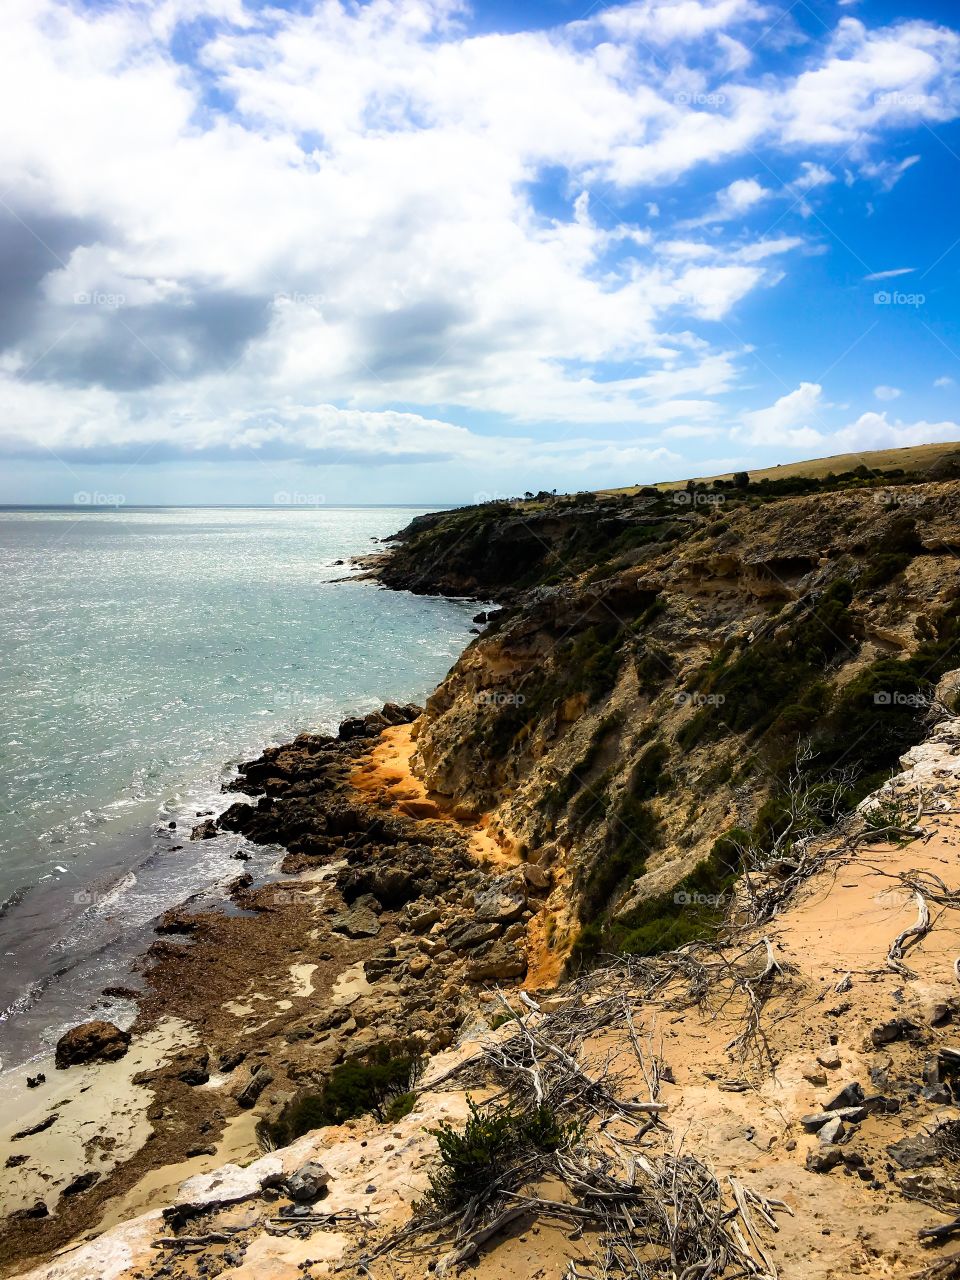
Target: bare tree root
x=915 y=933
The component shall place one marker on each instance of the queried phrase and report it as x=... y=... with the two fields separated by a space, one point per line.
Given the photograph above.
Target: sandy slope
x=739 y=1111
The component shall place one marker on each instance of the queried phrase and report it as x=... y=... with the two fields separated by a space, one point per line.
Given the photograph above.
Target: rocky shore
x=390 y=920
x=635 y=871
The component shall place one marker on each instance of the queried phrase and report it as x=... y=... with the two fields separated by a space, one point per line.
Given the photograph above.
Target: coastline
x=254 y=999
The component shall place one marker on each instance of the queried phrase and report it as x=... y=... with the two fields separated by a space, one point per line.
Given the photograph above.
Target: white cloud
x=887 y=393
x=788 y=421
x=873 y=431
x=887 y=173
x=890 y=275
x=944 y=382
x=355 y=243
x=811 y=176
x=663 y=21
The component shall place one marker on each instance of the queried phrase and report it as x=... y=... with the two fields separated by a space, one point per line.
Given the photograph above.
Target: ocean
x=144 y=653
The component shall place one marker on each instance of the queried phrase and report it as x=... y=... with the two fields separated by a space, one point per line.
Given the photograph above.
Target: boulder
x=358 y=922
x=472 y=934
x=204 y=830
x=538 y=878
x=308 y=1183
x=226 y=1185
x=82 y=1183
x=895 y=1029
x=497 y=960
x=915 y=1151
x=95 y=1041
x=851 y=1095
x=194 y=1068
x=500 y=903
x=823 y=1159
x=814 y=1074
x=248 y=1093
x=833 y=1131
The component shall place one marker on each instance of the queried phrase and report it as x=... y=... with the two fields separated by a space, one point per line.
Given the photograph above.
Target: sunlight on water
x=144 y=650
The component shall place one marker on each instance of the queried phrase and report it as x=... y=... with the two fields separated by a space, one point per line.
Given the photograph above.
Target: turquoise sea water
x=144 y=653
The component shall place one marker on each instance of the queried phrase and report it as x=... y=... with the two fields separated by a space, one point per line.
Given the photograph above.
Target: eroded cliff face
x=614 y=725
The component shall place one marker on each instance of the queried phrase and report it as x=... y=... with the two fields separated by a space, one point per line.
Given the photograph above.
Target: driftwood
x=916 y=931
x=644 y=1212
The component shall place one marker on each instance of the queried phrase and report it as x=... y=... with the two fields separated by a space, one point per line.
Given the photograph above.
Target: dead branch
x=916 y=931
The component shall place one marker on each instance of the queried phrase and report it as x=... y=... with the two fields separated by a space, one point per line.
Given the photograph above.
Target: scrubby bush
x=380 y=1083
x=487 y=1151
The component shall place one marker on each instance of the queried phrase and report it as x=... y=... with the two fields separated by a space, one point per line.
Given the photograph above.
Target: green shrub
x=487 y=1151
x=379 y=1083
x=633 y=833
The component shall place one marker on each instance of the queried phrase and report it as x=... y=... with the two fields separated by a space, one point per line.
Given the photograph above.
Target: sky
x=419 y=251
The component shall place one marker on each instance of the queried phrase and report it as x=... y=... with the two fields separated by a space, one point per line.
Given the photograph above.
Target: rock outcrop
x=95 y=1041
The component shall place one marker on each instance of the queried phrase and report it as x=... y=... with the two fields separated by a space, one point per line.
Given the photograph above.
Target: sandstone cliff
x=672 y=674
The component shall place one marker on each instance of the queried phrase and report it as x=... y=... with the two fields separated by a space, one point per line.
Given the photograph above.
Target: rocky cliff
x=627 y=955
x=677 y=681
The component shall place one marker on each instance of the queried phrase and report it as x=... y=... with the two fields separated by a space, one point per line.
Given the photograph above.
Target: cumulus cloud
x=318 y=236
x=887 y=393
x=788 y=421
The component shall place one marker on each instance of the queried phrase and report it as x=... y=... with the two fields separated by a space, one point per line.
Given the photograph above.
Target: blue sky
x=414 y=251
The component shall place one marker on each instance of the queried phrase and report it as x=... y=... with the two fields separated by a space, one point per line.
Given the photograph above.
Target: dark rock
x=393 y=713
x=36 y=1128
x=895 y=1029
x=251 y=1091
x=205 y=830
x=196 y=1068
x=851 y=1095
x=815 y=1122
x=39 y=1210
x=358 y=922
x=472 y=934
x=34 y=1082
x=95 y=1041
x=230 y=1060
x=497 y=960
x=177 y=921
x=938 y=1093
x=121 y=993
x=308 y=1183
x=82 y=1183
x=916 y=1151
x=378 y=967
x=13 y=1162
x=823 y=1159
x=500 y=903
